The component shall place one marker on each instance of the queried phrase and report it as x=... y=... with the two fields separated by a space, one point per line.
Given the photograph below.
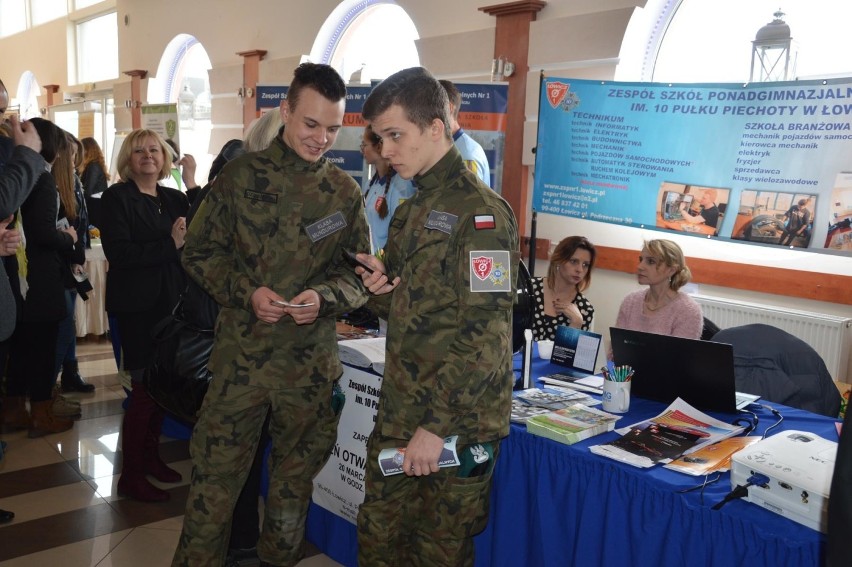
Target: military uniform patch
x=482 y=222
x=323 y=227
x=441 y=221
x=490 y=271
x=261 y=196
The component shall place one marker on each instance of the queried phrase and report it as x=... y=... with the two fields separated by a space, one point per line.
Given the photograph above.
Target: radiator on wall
x=829 y=335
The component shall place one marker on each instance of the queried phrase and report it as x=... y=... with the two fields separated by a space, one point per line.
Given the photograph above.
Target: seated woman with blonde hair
x=661 y=308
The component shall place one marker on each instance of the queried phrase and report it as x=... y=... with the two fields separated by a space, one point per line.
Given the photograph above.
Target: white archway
x=348 y=40
x=182 y=77
x=694 y=41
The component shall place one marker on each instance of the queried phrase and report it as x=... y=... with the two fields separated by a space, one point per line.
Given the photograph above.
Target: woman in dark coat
x=142 y=229
x=33 y=349
x=93 y=174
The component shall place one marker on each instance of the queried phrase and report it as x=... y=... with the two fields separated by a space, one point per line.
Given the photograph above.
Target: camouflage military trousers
x=424 y=521
x=302 y=428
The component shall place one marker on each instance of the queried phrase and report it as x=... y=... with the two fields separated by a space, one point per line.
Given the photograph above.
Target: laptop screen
x=576 y=349
x=666 y=368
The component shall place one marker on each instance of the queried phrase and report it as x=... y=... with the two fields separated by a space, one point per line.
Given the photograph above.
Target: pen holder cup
x=616 y=396
x=545 y=349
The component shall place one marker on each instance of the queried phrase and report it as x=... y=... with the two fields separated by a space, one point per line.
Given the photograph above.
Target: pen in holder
x=616 y=388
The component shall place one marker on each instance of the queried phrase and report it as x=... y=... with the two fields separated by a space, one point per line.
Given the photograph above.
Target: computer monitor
x=665 y=368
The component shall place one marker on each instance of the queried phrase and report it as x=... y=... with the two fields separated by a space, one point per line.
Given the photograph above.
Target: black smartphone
x=353 y=260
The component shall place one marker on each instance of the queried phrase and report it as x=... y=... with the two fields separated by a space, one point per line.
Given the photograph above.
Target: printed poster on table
x=765 y=163
x=339 y=486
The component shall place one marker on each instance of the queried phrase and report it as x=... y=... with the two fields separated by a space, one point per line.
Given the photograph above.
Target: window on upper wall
x=80 y=4
x=360 y=52
x=97 y=49
x=42 y=11
x=13 y=17
x=711 y=40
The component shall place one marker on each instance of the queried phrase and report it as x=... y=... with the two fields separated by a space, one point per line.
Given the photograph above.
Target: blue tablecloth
x=555 y=504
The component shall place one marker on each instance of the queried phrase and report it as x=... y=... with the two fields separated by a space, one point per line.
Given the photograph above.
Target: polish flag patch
x=482 y=222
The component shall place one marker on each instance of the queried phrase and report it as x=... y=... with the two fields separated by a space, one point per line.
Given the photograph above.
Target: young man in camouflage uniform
x=453 y=254
x=266 y=243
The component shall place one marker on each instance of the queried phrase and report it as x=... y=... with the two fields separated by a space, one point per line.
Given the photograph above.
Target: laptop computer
x=577 y=351
x=665 y=368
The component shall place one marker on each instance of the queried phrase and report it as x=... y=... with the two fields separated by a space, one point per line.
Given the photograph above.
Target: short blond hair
x=134 y=139
x=262 y=131
x=672 y=256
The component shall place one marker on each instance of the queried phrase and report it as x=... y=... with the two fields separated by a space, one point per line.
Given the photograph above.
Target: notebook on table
x=577 y=351
x=666 y=368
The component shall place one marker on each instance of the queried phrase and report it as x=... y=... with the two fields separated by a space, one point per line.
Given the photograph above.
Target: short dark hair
x=53 y=138
x=419 y=94
x=453 y=95
x=322 y=78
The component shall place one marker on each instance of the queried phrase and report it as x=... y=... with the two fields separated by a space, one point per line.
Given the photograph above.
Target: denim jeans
x=66 y=342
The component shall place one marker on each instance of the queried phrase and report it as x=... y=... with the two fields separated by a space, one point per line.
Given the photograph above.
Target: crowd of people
x=260 y=246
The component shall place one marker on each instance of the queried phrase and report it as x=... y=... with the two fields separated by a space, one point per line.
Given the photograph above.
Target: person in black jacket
x=94 y=174
x=72 y=208
x=840 y=503
x=34 y=340
x=143 y=227
x=20 y=166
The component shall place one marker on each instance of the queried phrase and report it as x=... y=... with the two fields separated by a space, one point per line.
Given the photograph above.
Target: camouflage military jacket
x=454 y=245
x=273 y=219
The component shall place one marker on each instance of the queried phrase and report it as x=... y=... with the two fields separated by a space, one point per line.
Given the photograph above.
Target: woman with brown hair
x=73 y=210
x=33 y=350
x=142 y=231
x=94 y=175
x=558 y=297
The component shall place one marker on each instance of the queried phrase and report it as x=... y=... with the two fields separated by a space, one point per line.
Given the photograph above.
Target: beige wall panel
x=224 y=27
x=123 y=119
x=28 y=51
x=578 y=38
x=226 y=78
x=278 y=71
x=459 y=55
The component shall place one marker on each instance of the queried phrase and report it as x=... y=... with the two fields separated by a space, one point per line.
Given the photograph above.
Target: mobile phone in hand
x=354 y=261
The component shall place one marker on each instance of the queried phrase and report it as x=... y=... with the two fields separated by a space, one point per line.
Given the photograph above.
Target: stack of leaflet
x=527 y=403
x=680 y=429
x=572 y=424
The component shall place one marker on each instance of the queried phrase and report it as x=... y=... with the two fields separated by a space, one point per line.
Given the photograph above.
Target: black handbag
x=177 y=377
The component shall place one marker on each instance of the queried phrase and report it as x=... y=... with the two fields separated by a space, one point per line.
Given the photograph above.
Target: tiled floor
x=62 y=489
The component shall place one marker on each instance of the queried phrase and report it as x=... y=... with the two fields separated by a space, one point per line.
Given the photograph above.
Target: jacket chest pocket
x=267 y=229
x=427 y=254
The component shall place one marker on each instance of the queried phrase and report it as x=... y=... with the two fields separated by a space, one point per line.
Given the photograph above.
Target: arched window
x=182 y=79
x=355 y=39
x=711 y=41
x=28 y=91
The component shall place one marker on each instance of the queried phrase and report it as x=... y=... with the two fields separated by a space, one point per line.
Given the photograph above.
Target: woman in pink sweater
x=661 y=308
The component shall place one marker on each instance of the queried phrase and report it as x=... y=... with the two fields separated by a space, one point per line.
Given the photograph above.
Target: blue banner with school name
x=765 y=163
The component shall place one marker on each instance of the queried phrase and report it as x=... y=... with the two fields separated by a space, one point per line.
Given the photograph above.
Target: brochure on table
x=679 y=430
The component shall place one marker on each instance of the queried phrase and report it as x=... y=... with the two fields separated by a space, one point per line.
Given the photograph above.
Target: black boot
x=6 y=516
x=72 y=381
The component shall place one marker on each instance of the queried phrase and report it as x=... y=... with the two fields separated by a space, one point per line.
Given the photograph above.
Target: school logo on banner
x=556 y=91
